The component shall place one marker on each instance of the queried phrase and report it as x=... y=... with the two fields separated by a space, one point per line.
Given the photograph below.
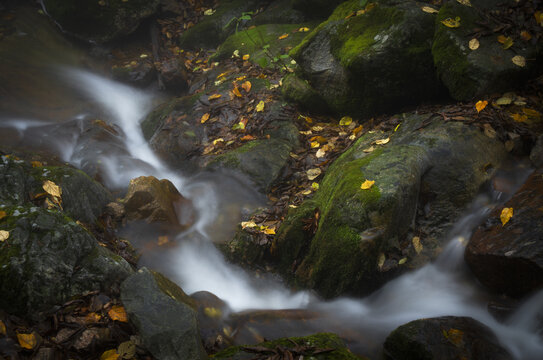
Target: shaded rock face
x=373 y=62
x=99 y=21
x=444 y=338
x=174 y=74
x=319 y=8
x=428 y=164
x=164 y=316
x=155 y=201
x=48 y=258
x=212 y=312
x=509 y=258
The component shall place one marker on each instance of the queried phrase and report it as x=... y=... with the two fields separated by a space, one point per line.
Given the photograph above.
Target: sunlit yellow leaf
x=480 y=105
x=216 y=141
x=3 y=214
x=209 y=12
x=346 y=121
x=504 y=100
x=303 y=29
x=118 y=313
x=27 y=341
x=315 y=144
x=382 y=141
x=221 y=75
x=451 y=23
x=315 y=186
x=241 y=78
x=268 y=231
x=260 y=106
x=246 y=86
x=214 y=96
x=246 y=57
x=506 y=215
x=474 y=44
x=213 y=312
x=51 y=188
x=110 y=355
x=204 y=118
x=429 y=10
x=367 y=184
x=417 y=245
x=519 y=60
x=3 y=330
x=313 y=173
x=248 y=224
x=284 y=36
x=307 y=192
x=236 y=92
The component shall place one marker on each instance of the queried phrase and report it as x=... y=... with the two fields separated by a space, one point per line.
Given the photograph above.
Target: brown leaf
x=118 y=313
x=204 y=118
x=236 y=92
x=246 y=86
x=27 y=341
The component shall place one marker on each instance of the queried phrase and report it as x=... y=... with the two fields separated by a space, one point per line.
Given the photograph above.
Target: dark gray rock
x=536 y=155
x=164 y=316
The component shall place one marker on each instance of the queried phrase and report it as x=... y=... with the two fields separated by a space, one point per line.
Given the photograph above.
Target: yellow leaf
x=222 y=75
x=3 y=330
x=110 y=355
x=358 y=129
x=381 y=260
x=519 y=60
x=320 y=153
x=506 y=215
x=241 y=78
x=519 y=118
x=480 y=105
x=236 y=92
x=246 y=57
x=248 y=224
x=489 y=131
x=315 y=186
x=284 y=36
x=268 y=231
x=163 y=240
x=368 y=150
x=313 y=173
x=346 y=121
x=367 y=184
x=417 y=244
x=429 y=10
x=307 y=192
x=525 y=35
x=118 y=313
x=126 y=350
x=506 y=41
x=402 y=261
x=451 y=23
x=474 y=44
x=52 y=189
x=214 y=96
x=246 y=86
x=504 y=100
x=213 y=312
x=27 y=341
x=319 y=139
x=303 y=29
x=315 y=144
x=216 y=141
x=382 y=141
x=247 y=137
x=36 y=164
x=539 y=17
x=204 y=118
x=455 y=336
x=464 y=2
x=531 y=113
x=209 y=12
x=92 y=317
x=3 y=214
x=260 y=106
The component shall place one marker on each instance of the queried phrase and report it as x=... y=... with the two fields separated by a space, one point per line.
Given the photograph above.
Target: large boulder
x=164 y=316
x=48 y=258
x=349 y=240
x=490 y=68
x=376 y=61
x=445 y=337
x=509 y=258
x=99 y=21
x=319 y=8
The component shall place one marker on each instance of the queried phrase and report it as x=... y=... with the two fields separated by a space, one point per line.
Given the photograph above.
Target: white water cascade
x=441 y=288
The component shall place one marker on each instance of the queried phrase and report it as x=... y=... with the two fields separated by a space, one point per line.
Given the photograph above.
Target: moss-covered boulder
x=48 y=258
x=164 y=316
x=376 y=61
x=99 y=21
x=361 y=235
x=445 y=337
x=298 y=91
x=488 y=69
x=214 y=29
x=309 y=346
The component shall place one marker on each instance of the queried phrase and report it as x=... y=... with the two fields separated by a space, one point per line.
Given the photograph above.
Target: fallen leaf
x=531 y=113
x=507 y=42
x=214 y=96
x=248 y=224
x=235 y=53
x=504 y=100
x=402 y=261
x=307 y=192
x=204 y=118
x=519 y=60
x=52 y=189
x=506 y=215
x=260 y=106
x=313 y=173
x=382 y=141
x=209 y=12
x=3 y=330
x=315 y=144
x=247 y=138
x=246 y=86
x=268 y=231
x=489 y=131
x=368 y=150
x=319 y=139
x=417 y=244
x=358 y=129
x=464 y=2
x=126 y=350
x=241 y=78
x=451 y=23
x=519 y=118
x=317 y=128
x=539 y=17
x=221 y=75
x=367 y=184
x=480 y=105
x=429 y=10
x=303 y=29
x=213 y=312
x=474 y=44
x=455 y=336
x=346 y=121
x=315 y=186
x=236 y=92
x=284 y=36
x=27 y=341
x=246 y=57
x=320 y=153
x=163 y=240
x=216 y=141
x=381 y=260
x=525 y=35
x=118 y=313
x=110 y=355
x=3 y=214
x=36 y=164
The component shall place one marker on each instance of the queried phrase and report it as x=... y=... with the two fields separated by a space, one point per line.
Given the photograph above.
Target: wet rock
x=308 y=346
x=174 y=74
x=374 y=62
x=48 y=258
x=356 y=244
x=300 y=92
x=154 y=200
x=445 y=337
x=489 y=69
x=319 y=9
x=140 y=73
x=164 y=316
x=509 y=258
x=279 y=12
x=536 y=156
x=212 y=312
x=99 y=21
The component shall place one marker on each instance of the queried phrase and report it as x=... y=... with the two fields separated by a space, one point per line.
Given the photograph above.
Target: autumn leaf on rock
x=27 y=341
x=429 y=10
x=110 y=355
x=381 y=260
x=284 y=36
x=247 y=138
x=246 y=57
x=204 y=118
x=260 y=106
x=506 y=215
x=118 y=313
x=474 y=44
x=246 y=86
x=525 y=35
x=126 y=350
x=315 y=186
x=417 y=245
x=451 y=23
x=507 y=42
x=464 y=2
x=3 y=214
x=480 y=105
x=367 y=184
x=519 y=60
x=368 y=150
x=3 y=330
x=36 y=164
x=214 y=96
x=455 y=336
x=346 y=121
x=382 y=141
x=52 y=189
x=313 y=173
x=248 y=224
x=303 y=29
x=236 y=92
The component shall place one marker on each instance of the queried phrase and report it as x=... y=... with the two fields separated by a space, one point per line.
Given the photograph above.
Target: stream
x=443 y=287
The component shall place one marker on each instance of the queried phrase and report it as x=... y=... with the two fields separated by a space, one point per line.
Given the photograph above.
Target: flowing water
x=441 y=288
